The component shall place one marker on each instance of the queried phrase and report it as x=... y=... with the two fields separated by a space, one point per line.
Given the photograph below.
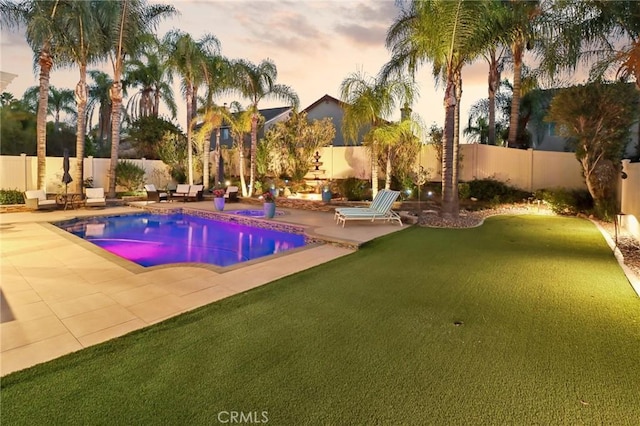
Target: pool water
x=151 y=240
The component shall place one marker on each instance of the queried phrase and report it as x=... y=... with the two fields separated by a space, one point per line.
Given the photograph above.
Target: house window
x=225 y=134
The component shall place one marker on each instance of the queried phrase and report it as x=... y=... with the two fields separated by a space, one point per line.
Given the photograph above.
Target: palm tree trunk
x=219 y=163
x=243 y=183
x=515 y=102
x=254 y=150
x=45 y=62
x=374 y=169
x=81 y=100
x=455 y=172
x=494 y=81
x=448 y=202
x=189 y=96
x=116 y=107
x=206 y=152
x=387 y=180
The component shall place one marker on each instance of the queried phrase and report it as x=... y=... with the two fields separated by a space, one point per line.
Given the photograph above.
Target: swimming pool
x=153 y=239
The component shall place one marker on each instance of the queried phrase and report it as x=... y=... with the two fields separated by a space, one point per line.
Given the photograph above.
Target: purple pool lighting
x=151 y=240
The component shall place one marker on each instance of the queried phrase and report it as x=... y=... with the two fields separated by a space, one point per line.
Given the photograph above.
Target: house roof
x=325 y=98
x=271 y=113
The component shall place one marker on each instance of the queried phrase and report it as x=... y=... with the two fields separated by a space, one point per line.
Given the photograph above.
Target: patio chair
x=195 y=193
x=154 y=195
x=95 y=197
x=181 y=192
x=36 y=199
x=379 y=209
x=232 y=194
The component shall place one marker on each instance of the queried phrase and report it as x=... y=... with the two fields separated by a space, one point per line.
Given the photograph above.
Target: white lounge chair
x=154 y=195
x=37 y=199
x=231 y=194
x=181 y=192
x=379 y=209
x=95 y=197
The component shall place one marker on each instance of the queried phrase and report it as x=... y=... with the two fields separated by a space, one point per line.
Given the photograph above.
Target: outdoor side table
x=69 y=200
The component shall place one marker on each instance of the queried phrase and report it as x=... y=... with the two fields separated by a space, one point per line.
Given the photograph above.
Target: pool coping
x=311 y=239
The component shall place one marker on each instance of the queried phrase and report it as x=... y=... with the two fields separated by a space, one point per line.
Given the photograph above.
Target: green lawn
x=549 y=334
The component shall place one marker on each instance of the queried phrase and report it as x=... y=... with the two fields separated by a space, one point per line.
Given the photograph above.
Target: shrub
x=566 y=201
x=464 y=190
x=355 y=189
x=11 y=196
x=129 y=175
x=495 y=191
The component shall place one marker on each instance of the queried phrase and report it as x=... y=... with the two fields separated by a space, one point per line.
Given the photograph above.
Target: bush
x=566 y=201
x=495 y=191
x=355 y=189
x=129 y=175
x=11 y=196
x=464 y=191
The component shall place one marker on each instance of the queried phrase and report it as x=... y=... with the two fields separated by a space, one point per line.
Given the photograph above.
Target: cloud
x=366 y=23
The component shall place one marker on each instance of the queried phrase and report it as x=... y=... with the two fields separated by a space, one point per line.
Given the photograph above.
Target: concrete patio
x=60 y=294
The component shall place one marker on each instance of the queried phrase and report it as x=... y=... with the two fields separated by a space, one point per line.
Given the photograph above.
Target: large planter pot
x=326 y=196
x=269 y=210
x=218 y=203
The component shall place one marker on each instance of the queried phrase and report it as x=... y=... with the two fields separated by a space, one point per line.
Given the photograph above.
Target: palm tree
x=60 y=101
x=39 y=18
x=395 y=137
x=188 y=58
x=150 y=70
x=448 y=34
x=369 y=103
x=257 y=82
x=99 y=101
x=80 y=46
x=122 y=24
x=240 y=123
x=518 y=25
x=210 y=119
x=218 y=75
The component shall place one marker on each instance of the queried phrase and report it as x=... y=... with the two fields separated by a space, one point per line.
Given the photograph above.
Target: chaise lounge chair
x=231 y=194
x=95 y=197
x=182 y=190
x=154 y=195
x=37 y=199
x=379 y=209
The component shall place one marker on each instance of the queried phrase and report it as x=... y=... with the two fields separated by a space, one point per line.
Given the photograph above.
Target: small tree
x=597 y=118
x=297 y=139
x=129 y=175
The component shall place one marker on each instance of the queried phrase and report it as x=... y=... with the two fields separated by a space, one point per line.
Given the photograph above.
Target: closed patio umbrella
x=66 y=177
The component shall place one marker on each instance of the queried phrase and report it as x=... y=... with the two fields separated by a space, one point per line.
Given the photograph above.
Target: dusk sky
x=314 y=44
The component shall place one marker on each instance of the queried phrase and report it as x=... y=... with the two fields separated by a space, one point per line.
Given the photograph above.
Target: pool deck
x=59 y=295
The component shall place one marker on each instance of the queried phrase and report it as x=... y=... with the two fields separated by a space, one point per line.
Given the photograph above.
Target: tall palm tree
x=122 y=24
x=257 y=82
x=518 y=23
x=79 y=47
x=369 y=103
x=39 y=18
x=187 y=57
x=448 y=34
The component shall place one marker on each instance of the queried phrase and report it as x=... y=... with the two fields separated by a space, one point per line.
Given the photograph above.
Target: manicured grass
x=548 y=333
